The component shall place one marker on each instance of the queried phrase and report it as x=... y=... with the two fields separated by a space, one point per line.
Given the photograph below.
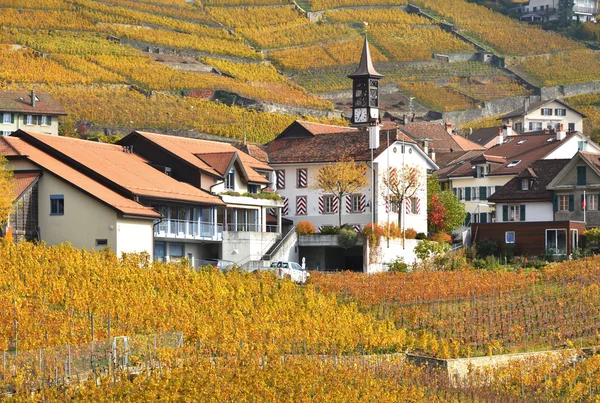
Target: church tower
x=365 y=91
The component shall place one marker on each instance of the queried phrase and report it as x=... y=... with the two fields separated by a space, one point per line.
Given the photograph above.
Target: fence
x=36 y=369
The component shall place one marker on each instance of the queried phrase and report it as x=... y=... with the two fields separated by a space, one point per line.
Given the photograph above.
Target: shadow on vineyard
x=248 y=336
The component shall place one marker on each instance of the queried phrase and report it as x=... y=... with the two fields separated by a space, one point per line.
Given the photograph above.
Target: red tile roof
x=329 y=147
x=188 y=150
x=525 y=148
x=542 y=171
x=322 y=128
x=20 y=102
x=6 y=149
x=79 y=180
x=256 y=151
x=22 y=181
x=127 y=171
x=440 y=139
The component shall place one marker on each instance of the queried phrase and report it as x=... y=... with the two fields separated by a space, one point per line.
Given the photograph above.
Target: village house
x=475 y=179
x=97 y=195
x=526 y=214
x=546 y=10
x=549 y=115
x=34 y=111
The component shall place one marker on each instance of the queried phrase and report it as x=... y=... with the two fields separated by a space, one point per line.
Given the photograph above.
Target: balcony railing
x=251 y=227
x=585 y=10
x=183 y=229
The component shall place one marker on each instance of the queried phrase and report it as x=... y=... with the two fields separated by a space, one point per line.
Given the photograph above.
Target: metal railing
x=585 y=10
x=251 y=227
x=185 y=229
x=65 y=364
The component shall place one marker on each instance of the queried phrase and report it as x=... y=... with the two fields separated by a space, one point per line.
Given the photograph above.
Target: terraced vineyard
x=268 y=52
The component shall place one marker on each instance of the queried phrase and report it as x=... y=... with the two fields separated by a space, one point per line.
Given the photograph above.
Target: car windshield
x=284 y=265
x=274 y=264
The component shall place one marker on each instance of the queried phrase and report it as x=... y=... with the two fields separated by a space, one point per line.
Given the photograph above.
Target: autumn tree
x=342 y=178
x=6 y=190
x=445 y=213
x=401 y=184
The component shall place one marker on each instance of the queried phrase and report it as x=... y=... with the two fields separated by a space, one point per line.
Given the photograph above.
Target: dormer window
x=482 y=170
x=230 y=180
x=524 y=184
x=513 y=164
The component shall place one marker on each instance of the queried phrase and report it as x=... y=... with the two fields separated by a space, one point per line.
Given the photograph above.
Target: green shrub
x=421 y=235
x=347 y=238
x=536 y=264
x=426 y=249
x=398 y=266
x=487 y=248
x=330 y=230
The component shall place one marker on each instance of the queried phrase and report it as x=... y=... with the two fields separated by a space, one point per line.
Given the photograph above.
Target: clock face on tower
x=360 y=115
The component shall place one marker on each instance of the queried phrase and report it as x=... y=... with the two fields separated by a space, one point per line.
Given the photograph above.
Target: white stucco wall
x=242 y=247
x=397 y=159
x=570 y=147
x=134 y=236
x=533 y=211
x=536 y=116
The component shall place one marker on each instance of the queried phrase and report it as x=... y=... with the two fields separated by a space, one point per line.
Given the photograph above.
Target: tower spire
x=365 y=67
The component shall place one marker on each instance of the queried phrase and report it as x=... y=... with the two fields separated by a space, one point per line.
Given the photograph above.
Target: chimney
x=561 y=134
x=448 y=127
x=32 y=98
x=432 y=154
x=526 y=105
x=500 y=136
x=426 y=146
x=508 y=131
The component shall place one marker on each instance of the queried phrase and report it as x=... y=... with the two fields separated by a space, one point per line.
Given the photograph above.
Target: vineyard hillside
x=228 y=67
x=253 y=337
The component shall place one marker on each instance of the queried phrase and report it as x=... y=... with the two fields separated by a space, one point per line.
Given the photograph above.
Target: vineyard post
x=110 y=352
x=92 y=344
x=40 y=366
x=69 y=360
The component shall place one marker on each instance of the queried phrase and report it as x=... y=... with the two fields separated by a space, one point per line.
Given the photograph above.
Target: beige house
x=56 y=203
x=38 y=112
x=549 y=115
x=163 y=199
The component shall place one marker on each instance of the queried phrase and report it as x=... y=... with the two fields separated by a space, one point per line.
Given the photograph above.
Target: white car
x=295 y=272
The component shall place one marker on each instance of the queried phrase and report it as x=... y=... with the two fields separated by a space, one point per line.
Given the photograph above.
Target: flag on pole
x=583 y=204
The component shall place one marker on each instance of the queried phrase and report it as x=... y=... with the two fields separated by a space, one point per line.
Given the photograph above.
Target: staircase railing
x=276 y=246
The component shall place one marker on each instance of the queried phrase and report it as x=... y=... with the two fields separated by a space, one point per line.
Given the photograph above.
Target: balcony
x=192 y=230
x=251 y=227
x=585 y=10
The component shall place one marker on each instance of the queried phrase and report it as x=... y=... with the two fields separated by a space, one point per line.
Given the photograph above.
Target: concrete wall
x=242 y=247
x=489 y=108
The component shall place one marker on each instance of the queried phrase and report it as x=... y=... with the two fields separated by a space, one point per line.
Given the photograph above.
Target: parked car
x=292 y=270
x=219 y=264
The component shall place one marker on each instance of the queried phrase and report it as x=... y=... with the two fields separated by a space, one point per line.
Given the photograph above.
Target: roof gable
x=591 y=160
x=80 y=181
x=122 y=171
x=300 y=129
x=188 y=149
x=20 y=102
x=538 y=175
x=523 y=110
